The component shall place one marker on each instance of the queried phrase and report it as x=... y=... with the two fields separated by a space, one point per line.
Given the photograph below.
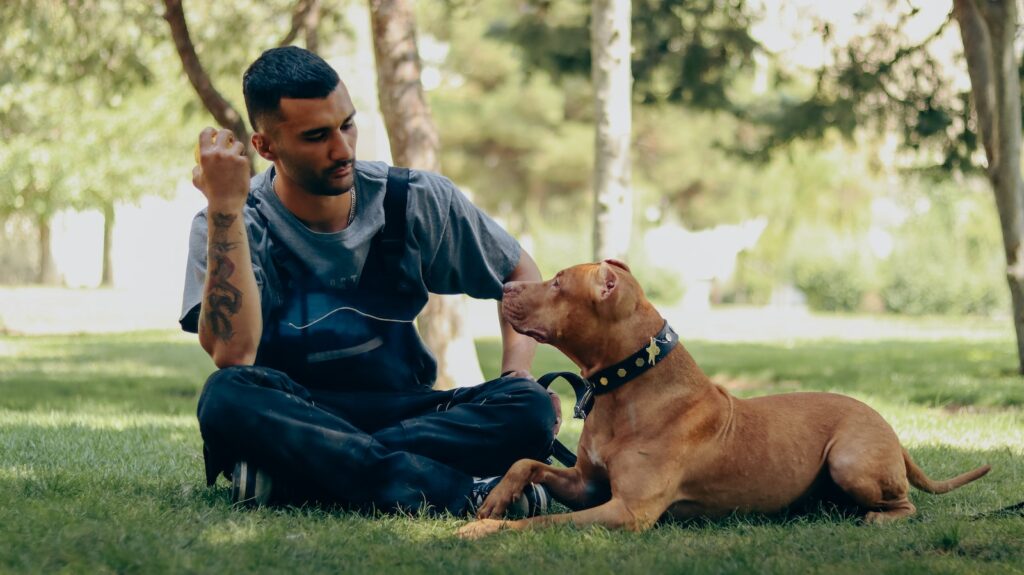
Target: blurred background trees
x=854 y=180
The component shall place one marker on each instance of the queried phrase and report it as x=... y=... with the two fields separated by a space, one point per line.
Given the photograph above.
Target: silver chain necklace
x=352 y=205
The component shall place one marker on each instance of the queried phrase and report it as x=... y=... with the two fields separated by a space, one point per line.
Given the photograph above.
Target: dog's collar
x=633 y=366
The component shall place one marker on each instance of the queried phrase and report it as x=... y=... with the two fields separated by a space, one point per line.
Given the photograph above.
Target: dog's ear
x=617 y=263
x=608 y=278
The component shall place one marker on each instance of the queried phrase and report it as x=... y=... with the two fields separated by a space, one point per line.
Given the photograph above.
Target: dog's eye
x=554 y=283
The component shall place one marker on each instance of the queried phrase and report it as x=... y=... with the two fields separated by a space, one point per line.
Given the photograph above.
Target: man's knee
x=232 y=392
x=534 y=418
x=222 y=406
x=219 y=398
x=223 y=398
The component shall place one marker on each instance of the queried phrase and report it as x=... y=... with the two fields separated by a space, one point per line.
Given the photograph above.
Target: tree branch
x=312 y=26
x=906 y=50
x=299 y=14
x=223 y=112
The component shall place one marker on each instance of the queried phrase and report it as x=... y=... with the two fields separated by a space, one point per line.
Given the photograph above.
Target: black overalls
x=339 y=408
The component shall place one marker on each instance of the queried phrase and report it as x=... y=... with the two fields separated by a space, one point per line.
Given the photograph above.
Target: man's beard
x=322 y=188
x=327 y=191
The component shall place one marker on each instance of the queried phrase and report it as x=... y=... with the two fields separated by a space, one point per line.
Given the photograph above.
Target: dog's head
x=587 y=311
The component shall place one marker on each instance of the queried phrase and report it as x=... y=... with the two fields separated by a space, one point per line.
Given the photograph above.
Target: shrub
x=661 y=286
x=917 y=284
x=830 y=284
x=948 y=258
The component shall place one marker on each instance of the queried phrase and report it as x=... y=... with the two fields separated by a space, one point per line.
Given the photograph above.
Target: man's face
x=315 y=142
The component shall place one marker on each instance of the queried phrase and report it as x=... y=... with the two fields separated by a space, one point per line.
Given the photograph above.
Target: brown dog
x=669 y=440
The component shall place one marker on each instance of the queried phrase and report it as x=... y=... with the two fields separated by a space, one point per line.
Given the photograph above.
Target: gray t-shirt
x=451 y=245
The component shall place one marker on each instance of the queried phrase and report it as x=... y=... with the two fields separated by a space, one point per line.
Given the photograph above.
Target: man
x=303 y=284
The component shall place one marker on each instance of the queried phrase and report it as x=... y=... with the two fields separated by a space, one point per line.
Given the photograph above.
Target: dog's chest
x=607 y=425
x=599 y=446
x=593 y=454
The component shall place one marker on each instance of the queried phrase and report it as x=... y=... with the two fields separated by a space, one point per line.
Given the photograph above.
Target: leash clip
x=583 y=389
x=584 y=403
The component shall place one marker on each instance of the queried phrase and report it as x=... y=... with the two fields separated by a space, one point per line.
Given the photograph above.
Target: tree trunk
x=987 y=29
x=47 y=273
x=415 y=144
x=223 y=112
x=610 y=43
x=107 y=276
x=411 y=132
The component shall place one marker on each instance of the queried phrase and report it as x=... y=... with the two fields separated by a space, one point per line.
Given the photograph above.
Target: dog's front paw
x=497 y=501
x=480 y=528
x=492 y=507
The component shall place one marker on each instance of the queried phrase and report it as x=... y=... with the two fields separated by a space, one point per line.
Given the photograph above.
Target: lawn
x=100 y=471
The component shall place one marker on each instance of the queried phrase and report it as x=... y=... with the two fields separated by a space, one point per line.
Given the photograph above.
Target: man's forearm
x=517 y=350
x=230 y=323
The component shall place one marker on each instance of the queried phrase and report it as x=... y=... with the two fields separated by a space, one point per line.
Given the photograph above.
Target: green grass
x=100 y=471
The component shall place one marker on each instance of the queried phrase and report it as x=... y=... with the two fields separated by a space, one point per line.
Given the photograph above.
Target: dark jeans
x=393 y=450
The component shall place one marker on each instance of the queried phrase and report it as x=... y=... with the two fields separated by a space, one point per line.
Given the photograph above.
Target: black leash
x=584 y=401
x=1008 y=511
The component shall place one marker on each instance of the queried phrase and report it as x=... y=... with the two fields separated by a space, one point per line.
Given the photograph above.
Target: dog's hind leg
x=899 y=510
x=869 y=468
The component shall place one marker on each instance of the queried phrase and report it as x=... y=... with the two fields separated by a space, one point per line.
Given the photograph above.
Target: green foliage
x=34 y=174
x=833 y=270
x=559 y=240
x=945 y=255
x=516 y=113
x=516 y=130
x=18 y=238
x=661 y=286
x=228 y=35
x=882 y=80
x=947 y=259
x=684 y=51
x=915 y=287
x=817 y=200
x=100 y=44
x=136 y=135
x=512 y=138
x=94 y=107
x=753 y=282
x=77 y=116
x=830 y=284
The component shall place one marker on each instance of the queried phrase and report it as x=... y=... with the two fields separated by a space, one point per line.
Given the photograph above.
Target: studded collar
x=621 y=373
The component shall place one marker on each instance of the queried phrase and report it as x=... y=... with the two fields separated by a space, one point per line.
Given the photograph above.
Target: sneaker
x=534 y=499
x=250 y=486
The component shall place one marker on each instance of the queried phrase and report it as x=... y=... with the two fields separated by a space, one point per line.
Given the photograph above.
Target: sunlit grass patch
x=101 y=471
x=99 y=419
x=145 y=371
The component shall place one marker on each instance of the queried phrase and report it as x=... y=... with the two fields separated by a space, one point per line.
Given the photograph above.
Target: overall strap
x=383 y=264
x=392 y=238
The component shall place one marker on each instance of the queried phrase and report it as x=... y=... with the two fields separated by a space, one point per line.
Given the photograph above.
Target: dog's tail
x=921 y=481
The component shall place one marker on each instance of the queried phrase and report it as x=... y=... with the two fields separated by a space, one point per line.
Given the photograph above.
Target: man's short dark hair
x=288 y=72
